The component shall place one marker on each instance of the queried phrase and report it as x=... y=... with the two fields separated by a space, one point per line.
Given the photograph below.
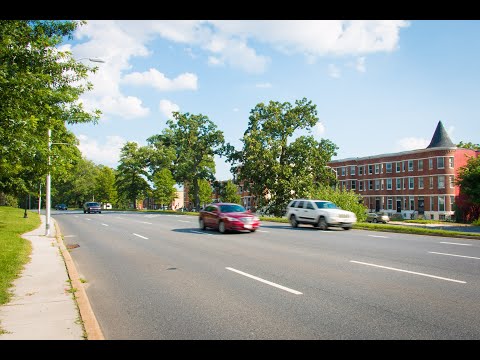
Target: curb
x=91 y=326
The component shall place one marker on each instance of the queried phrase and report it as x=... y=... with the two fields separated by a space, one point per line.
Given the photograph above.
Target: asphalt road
x=153 y=276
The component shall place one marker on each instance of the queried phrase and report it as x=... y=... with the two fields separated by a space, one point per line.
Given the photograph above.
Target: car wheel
x=346 y=228
x=84 y=212
x=253 y=230
x=375 y=220
x=322 y=223
x=293 y=221
x=201 y=224
x=221 y=227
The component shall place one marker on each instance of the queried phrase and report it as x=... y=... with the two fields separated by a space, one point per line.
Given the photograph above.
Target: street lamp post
x=48 y=180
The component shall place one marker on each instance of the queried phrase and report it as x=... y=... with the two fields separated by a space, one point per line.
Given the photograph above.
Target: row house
x=416 y=183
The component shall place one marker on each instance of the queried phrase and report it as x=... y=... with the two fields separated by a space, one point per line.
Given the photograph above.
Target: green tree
x=39 y=90
x=195 y=140
x=229 y=193
x=105 y=190
x=469 y=179
x=273 y=169
x=131 y=175
x=468 y=145
x=204 y=191
x=164 y=183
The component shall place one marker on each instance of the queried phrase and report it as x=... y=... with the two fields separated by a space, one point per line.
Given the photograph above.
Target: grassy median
x=14 y=250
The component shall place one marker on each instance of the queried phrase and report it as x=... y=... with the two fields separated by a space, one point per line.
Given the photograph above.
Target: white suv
x=319 y=213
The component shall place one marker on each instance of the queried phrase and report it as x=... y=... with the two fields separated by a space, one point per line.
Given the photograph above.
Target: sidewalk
x=43 y=306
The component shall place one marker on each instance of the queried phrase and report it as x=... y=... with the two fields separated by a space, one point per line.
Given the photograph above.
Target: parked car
x=319 y=213
x=378 y=217
x=61 y=207
x=227 y=217
x=92 y=207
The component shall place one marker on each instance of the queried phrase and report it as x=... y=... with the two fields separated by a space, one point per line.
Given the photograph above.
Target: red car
x=227 y=217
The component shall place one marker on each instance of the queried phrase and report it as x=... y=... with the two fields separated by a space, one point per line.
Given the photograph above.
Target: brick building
x=416 y=183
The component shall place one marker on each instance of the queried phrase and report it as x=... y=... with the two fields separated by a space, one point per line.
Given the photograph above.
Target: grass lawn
x=14 y=250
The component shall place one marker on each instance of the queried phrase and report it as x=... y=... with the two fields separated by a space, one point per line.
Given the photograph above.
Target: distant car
x=61 y=207
x=227 y=217
x=319 y=213
x=377 y=217
x=92 y=207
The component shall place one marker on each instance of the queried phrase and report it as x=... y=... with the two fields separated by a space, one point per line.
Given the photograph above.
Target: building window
x=410 y=165
x=389 y=184
x=398 y=166
x=377 y=168
x=403 y=165
x=431 y=202
x=403 y=182
x=352 y=170
x=441 y=181
x=452 y=181
x=399 y=184
x=452 y=203
x=353 y=184
x=389 y=203
x=377 y=184
x=411 y=200
x=388 y=167
x=343 y=171
x=370 y=184
x=420 y=182
x=430 y=180
x=441 y=203
x=370 y=169
x=430 y=164
x=410 y=183
x=382 y=182
x=360 y=186
x=440 y=162
x=360 y=170
x=420 y=165
x=451 y=162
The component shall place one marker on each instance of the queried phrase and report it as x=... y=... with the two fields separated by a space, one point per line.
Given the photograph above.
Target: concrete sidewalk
x=43 y=305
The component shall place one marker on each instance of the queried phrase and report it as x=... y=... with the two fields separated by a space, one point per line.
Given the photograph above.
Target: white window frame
x=420 y=167
x=420 y=182
x=389 y=184
x=440 y=164
x=439 y=202
x=441 y=182
x=398 y=184
x=411 y=183
x=451 y=162
x=410 y=165
x=388 y=167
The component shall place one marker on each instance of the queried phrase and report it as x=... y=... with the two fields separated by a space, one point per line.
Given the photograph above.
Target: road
x=156 y=276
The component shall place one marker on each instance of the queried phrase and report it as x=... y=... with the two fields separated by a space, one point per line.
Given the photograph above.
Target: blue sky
x=379 y=86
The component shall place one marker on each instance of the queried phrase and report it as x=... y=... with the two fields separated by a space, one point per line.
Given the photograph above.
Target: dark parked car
x=227 y=217
x=92 y=207
x=61 y=207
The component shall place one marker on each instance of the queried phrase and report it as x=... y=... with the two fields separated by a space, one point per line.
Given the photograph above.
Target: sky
x=379 y=86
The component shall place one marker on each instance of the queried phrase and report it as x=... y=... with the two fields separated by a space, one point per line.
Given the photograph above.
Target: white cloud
x=263 y=85
x=127 y=107
x=319 y=128
x=412 y=143
x=214 y=61
x=105 y=153
x=360 y=66
x=167 y=108
x=333 y=71
x=156 y=79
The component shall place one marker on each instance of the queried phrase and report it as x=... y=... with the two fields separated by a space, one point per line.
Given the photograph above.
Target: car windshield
x=325 y=205
x=231 y=208
x=93 y=204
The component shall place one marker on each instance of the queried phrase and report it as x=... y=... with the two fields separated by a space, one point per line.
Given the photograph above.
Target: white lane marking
x=184 y=221
x=379 y=236
x=145 y=222
x=265 y=281
x=69 y=236
x=89 y=219
x=444 y=242
x=119 y=217
x=199 y=232
x=75 y=216
x=410 y=272
x=469 y=257
x=140 y=236
x=263 y=231
x=104 y=224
